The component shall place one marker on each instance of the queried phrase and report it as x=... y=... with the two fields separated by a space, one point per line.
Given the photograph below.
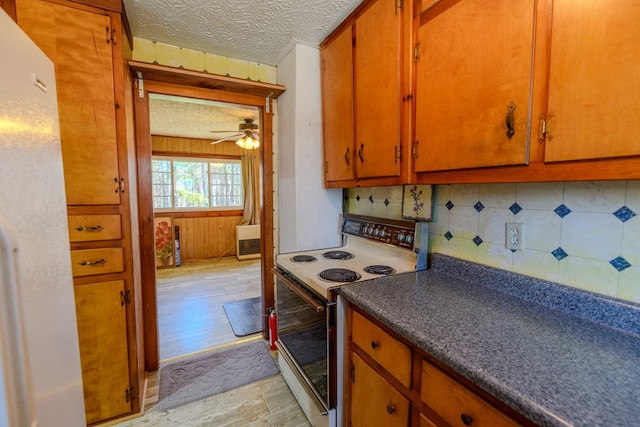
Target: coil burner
x=339 y=275
x=379 y=269
x=342 y=255
x=304 y=258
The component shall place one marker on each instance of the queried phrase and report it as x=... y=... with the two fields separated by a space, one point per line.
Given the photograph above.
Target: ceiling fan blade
x=226 y=139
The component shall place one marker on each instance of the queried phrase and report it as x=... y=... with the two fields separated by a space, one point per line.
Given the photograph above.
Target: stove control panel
x=396 y=233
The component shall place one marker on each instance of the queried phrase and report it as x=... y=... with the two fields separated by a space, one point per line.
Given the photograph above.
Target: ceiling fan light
x=249 y=141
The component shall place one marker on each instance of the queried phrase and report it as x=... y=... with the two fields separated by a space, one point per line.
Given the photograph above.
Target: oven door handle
x=317 y=305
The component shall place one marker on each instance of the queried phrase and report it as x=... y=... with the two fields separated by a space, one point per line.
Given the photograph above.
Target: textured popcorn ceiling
x=192 y=118
x=261 y=31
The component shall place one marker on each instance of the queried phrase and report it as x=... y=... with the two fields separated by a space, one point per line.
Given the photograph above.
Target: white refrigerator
x=40 y=375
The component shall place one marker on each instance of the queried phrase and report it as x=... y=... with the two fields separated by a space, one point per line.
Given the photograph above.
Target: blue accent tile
x=371 y=199
x=620 y=263
x=479 y=206
x=560 y=254
x=448 y=235
x=477 y=240
x=562 y=211
x=624 y=214
x=386 y=202
x=449 y=205
x=515 y=208
x=357 y=198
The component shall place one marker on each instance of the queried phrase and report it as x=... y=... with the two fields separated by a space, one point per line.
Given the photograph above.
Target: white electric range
x=310 y=314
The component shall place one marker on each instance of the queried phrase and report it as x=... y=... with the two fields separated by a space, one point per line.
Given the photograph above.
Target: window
x=180 y=183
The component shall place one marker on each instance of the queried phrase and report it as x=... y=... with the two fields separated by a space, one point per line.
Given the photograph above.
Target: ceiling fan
x=247 y=136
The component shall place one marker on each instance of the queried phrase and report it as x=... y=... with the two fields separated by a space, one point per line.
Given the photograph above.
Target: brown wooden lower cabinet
x=380 y=394
x=104 y=354
x=375 y=402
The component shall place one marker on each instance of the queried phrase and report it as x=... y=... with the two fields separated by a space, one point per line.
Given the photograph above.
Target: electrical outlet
x=514 y=236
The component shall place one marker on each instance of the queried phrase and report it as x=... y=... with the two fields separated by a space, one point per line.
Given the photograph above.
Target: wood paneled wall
x=207 y=237
x=202 y=234
x=173 y=145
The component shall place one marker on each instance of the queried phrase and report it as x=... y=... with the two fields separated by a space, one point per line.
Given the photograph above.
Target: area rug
x=206 y=375
x=244 y=316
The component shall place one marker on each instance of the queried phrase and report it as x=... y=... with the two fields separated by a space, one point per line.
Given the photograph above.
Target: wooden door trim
x=143 y=159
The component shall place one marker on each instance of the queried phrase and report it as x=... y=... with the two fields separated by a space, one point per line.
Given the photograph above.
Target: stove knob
x=400 y=237
x=409 y=238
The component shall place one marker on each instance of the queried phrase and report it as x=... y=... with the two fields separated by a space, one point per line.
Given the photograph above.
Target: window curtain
x=251 y=213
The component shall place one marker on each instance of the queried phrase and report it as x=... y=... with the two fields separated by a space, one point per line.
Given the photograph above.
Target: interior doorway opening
x=197 y=86
x=205 y=190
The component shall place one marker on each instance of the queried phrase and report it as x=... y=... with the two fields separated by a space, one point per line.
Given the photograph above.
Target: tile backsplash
x=581 y=234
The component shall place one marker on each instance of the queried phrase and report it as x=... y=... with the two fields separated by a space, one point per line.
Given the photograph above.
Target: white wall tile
x=497 y=195
x=629 y=286
x=495 y=255
x=542 y=229
x=594 y=196
x=538 y=264
x=463 y=222
x=591 y=235
x=589 y=274
x=438 y=244
x=465 y=194
x=440 y=225
x=442 y=194
x=631 y=241
x=540 y=196
x=463 y=249
x=633 y=196
x=491 y=224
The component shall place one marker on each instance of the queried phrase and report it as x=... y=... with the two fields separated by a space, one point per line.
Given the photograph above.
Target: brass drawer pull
x=391 y=409
x=90 y=229
x=101 y=261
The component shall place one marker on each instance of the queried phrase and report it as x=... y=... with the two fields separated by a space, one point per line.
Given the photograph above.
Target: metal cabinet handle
x=101 y=261
x=509 y=120
x=121 y=185
x=391 y=409
x=466 y=419
x=346 y=157
x=90 y=229
x=360 y=153
x=374 y=345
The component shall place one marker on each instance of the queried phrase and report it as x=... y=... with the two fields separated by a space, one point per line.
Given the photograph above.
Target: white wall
x=308 y=213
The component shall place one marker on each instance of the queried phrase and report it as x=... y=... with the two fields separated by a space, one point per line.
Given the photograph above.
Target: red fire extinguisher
x=273 y=330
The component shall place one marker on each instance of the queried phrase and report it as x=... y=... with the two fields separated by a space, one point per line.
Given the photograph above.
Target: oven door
x=304 y=328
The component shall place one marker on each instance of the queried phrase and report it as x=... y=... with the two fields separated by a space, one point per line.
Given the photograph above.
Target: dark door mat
x=206 y=375
x=245 y=316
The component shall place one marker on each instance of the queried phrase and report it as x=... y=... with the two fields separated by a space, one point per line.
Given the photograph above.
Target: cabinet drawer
x=89 y=262
x=457 y=404
x=86 y=228
x=390 y=353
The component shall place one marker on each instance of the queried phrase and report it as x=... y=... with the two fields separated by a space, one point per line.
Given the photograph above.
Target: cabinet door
x=374 y=402
x=102 y=333
x=79 y=44
x=475 y=61
x=378 y=89
x=594 y=89
x=337 y=107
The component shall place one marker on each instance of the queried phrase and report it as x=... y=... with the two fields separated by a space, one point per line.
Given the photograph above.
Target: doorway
x=197 y=86
x=204 y=185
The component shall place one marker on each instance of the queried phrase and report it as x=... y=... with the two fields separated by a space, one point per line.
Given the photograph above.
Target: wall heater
x=248 y=241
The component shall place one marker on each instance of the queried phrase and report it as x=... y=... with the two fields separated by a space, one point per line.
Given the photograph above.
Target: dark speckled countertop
x=557 y=355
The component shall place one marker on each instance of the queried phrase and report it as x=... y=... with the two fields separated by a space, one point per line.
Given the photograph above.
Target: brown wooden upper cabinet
x=561 y=76
x=80 y=45
x=473 y=84
x=594 y=84
x=362 y=100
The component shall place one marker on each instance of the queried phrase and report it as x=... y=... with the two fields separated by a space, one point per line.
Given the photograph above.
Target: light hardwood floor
x=191 y=320
x=190 y=299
